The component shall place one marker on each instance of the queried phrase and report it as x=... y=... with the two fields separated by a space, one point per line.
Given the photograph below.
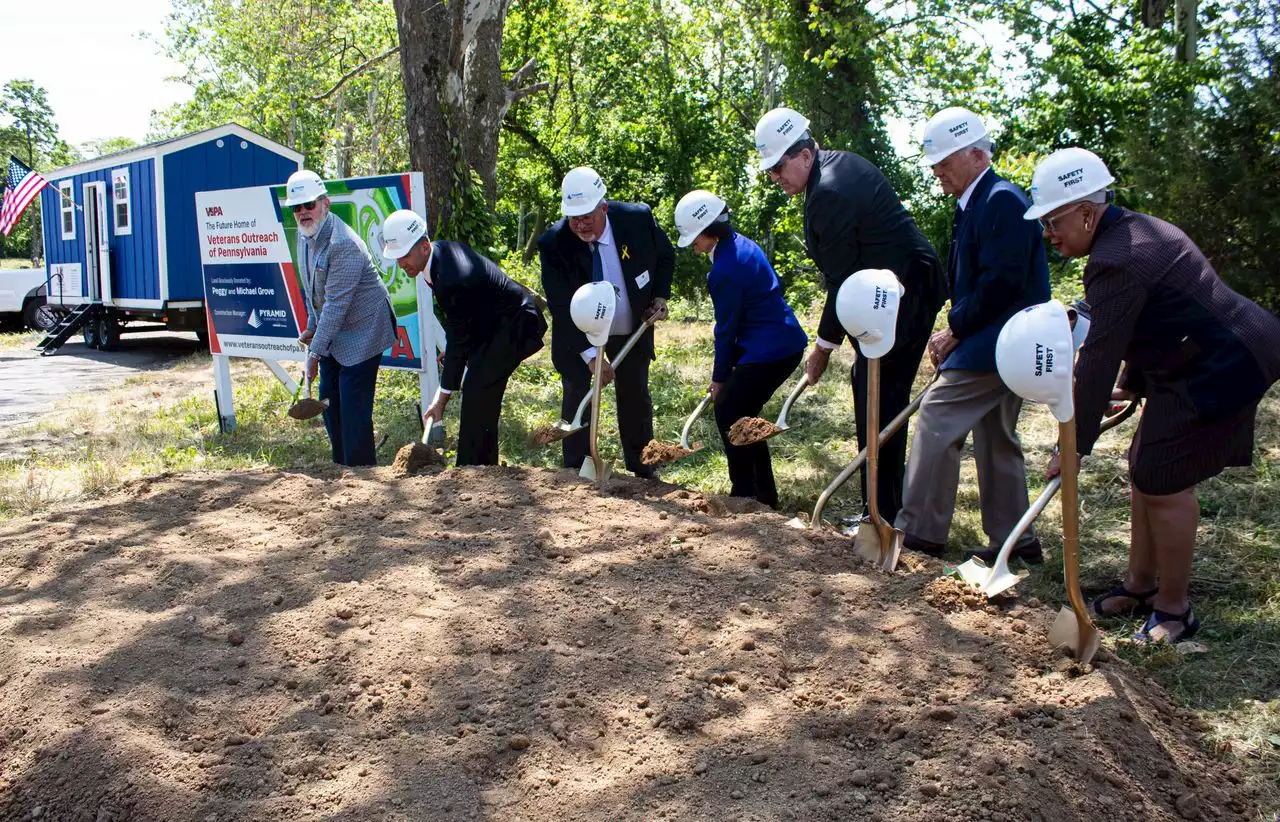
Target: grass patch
x=165 y=421
x=13 y=340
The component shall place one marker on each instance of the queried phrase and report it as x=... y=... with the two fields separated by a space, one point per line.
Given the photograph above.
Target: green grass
x=166 y=421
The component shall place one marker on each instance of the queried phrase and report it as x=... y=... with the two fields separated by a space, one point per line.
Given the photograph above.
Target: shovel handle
x=688 y=424
x=873 y=445
x=815 y=521
x=595 y=417
x=617 y=360
x=791 y=398
x=1070 y=463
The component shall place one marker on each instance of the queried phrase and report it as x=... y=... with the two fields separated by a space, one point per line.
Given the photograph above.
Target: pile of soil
x=414 y=458
x=658 y=452
x=501 y=643
x=751 y=429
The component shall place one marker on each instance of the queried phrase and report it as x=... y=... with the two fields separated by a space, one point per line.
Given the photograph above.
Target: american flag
x=21 y=187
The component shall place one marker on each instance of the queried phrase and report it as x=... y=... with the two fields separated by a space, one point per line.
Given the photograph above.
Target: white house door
x=97 y=249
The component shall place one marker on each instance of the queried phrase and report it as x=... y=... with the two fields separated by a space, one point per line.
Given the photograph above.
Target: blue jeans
x=349 y=418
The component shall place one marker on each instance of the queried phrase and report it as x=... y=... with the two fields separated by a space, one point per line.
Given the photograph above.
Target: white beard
x=311 y=231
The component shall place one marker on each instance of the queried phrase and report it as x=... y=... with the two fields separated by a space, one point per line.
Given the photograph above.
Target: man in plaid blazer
x=350 y=321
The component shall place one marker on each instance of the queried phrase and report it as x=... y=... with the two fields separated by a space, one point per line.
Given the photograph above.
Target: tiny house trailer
x=120 y=232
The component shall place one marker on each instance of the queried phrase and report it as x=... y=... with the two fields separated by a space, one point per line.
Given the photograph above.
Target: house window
x=120 y=211
x=67 y=200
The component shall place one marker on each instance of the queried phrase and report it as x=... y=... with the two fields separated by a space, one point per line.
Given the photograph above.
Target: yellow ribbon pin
x=625 y=254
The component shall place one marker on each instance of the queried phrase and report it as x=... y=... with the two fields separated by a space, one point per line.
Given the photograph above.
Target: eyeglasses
x=776 y=168
x=1050 y=224
x=305 y=206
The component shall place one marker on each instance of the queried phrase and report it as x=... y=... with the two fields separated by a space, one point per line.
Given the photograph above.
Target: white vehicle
x=22 y=295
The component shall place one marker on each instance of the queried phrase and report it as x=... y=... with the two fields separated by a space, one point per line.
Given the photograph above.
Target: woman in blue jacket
x=758 y=342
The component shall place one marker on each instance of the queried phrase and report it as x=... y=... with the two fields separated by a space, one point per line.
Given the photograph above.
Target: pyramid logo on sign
x=254 y=322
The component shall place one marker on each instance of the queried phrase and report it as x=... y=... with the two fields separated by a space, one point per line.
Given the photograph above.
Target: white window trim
x=66 y=202
x=116 y=228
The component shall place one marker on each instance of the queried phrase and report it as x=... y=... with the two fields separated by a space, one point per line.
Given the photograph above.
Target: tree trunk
x=455 y=95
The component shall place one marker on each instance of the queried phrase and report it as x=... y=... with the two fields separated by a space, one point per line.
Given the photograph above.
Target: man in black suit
x=622 y=244
x=491 y=324
x=854 y=220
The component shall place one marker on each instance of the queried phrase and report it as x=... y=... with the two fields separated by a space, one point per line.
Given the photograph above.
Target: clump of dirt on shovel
x=545 y=435
x=750 y=430
x=414 y=457
x=658 y=452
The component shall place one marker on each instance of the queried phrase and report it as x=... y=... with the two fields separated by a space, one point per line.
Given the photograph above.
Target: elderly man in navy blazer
x=601 y=239
x=996 y=266
x=350 y=321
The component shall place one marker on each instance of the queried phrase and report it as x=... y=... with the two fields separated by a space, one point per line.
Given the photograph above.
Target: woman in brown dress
x=1200 y=354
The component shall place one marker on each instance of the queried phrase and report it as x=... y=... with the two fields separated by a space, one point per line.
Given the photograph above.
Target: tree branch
x=358 y=69
x=516 y=95
x=553 y=163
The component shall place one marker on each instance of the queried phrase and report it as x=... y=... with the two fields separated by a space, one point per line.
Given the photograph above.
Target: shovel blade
x=307 y=408
x=889 y=558
x=1000 y=580
x=974 y=573
x=1065 y=633
x=866 y=543
x=797 y=523
x=588 y=470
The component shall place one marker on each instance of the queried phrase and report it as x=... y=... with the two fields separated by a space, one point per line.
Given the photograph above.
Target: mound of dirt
x=751 y=429
x=414 y=458
x=950 y=594
x=658 y=452
x=508 y=644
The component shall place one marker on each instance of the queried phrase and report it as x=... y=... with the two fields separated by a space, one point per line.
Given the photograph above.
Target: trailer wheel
x=108 y=332
x=41 y=316
x=89 y=333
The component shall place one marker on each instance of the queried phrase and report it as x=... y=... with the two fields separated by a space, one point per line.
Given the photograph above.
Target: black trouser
x=489 y=366
x=744 y=394
x=897 y=374
x=635 y=406
x=349 y=417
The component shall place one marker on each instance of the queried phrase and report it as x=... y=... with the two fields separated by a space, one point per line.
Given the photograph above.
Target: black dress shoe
x=923 y=546
x=1030 y=553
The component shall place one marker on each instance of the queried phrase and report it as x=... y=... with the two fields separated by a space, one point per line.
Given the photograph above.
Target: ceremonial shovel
x=1073 y=628
x=562 y=429
x=877 y=540
x=773 y=429
x=306 y=408
x=670 y=452
x=998 y=578
x=815 y=520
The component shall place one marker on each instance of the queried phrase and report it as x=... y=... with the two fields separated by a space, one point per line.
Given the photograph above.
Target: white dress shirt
x=623 y=323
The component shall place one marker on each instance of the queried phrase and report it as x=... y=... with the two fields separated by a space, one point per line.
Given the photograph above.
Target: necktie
x=952 y=251
x=597 y=265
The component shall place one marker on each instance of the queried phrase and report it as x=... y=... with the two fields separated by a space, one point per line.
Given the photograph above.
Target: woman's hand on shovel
x=713 y=388
x=1055 y=466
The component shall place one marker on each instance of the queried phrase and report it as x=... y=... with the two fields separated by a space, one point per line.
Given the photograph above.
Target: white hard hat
x=1034 y=355
x=695 y=211
x=867 y=305
x=580 y=192
x=1065 y=176
x=400 y=231
x=303 y=187
x=592 y=310
x=950 y=130
x=776 y=132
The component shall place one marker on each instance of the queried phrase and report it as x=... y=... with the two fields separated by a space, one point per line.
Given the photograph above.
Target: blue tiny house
x=120 y=237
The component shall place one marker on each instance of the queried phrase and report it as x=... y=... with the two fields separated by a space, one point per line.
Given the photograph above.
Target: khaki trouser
x=960 y=402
